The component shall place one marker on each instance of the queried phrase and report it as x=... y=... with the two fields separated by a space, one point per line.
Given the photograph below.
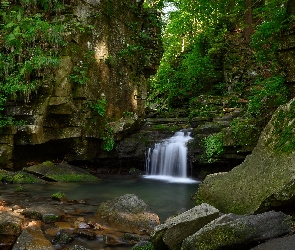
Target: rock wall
x=95 y=94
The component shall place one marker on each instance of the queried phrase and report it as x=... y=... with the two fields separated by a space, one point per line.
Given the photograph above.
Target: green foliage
x=148 y=246
x=23 y=177
x=283 y=139
x=20 y=189
x=108 y=139
x=72 y=177
x=59 y=196
x=265 y=40
x=245 y=131
x=28 y=50
x=270 y=92
x=193 y=41
x=79 y=73
x=213 y=145
x=100 y=107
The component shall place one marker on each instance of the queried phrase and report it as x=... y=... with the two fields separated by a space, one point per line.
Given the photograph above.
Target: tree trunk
x=248 y=31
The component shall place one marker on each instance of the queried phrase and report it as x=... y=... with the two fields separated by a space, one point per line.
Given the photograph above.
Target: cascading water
x=168 y=159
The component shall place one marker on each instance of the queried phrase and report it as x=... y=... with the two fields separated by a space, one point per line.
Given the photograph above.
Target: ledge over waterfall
x=266 y=179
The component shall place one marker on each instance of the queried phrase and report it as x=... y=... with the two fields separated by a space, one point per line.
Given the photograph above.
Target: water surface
x=165 y=198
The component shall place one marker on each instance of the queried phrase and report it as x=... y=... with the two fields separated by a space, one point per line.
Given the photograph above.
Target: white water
x=168 y=159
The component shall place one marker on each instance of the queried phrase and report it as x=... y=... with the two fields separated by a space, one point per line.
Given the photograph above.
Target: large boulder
x=177 y=228
x=265 y=179
x=233 y=231
x=127 y=213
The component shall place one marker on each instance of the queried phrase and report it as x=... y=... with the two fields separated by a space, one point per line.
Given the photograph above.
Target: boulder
x=127 y=213
x=61 y=172
x=177 y=228
x=10 y=223
x=45 y=213
x=32 y=238
x=286 y=243
x=265 y=180
x=237 y=231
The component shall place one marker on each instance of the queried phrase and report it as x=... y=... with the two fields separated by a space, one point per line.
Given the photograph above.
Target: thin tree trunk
x=248 y=31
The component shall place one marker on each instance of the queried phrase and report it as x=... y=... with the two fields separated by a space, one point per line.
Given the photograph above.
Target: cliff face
x=97 y=91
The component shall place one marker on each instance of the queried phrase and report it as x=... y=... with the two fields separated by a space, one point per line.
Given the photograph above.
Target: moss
x=50 y=218
x=244 y=132
x=59 y=196
x=283 y=123
x=148 y=246
x=23 y=177
x=20 y=189
x=219 y=237
x=72 y=177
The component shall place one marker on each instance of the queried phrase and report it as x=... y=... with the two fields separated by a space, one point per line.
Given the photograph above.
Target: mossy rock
x=23 y=177
x=47 y=214
x=61 y=172
x=10 y=224
x=127 y=213
x=144 y=245
x=235 y=232
x=265 y=179
x=6 y=176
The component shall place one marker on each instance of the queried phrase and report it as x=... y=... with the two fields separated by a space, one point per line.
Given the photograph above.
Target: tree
x=248 y=31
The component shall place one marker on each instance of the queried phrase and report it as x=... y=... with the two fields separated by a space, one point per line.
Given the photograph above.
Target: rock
x=134 y=238
x=87 y=234
x=61 y=172
x=10 y=223
x=177 y=228
x=46 y=213
x=62 y=238
x=265 y=179
x=143 y=245
x=232 y=231
x=23 y=177
x=32 y=238
x=127 y=213
x=286 y=243
x=112 y=240
x=77 y=247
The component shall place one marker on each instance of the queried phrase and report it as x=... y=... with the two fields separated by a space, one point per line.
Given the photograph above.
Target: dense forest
x=199 y=39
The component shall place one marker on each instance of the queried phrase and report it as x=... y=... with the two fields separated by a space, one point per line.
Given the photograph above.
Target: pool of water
x=165 y=197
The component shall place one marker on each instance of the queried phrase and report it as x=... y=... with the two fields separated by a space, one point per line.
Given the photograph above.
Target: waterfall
x=168 y=159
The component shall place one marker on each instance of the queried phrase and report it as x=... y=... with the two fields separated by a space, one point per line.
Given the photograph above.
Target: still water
x=164 y=197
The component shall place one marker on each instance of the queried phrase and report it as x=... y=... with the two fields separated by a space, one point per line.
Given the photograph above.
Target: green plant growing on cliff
x=213 y=145
x=100 y=107
x=108 y=139
x=269 y=92
x=244 y=131
x=79 y=73
x=28 y=51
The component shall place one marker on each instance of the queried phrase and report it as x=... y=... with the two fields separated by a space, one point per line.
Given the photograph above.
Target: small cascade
x=168 y=159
